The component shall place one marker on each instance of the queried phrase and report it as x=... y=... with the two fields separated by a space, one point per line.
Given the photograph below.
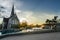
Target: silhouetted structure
x=5 y=23
x=11 y=21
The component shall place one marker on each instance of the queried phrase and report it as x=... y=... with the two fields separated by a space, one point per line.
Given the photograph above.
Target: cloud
x=34 y=18
x=31 y=16
x=7 y=4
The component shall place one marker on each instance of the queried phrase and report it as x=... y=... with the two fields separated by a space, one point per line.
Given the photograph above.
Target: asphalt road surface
x=44 y=36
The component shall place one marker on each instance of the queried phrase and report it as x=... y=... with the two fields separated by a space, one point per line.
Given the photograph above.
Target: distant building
x=5 y=23
x=12 y=20
x=46 y=26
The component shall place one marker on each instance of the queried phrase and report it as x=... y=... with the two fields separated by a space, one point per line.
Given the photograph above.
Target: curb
x=24 y=33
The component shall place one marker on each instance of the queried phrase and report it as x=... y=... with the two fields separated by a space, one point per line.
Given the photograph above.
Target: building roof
x=5 y=19
x=12 y=12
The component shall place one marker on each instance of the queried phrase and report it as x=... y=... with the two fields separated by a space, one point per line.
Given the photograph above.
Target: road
x=44 y=36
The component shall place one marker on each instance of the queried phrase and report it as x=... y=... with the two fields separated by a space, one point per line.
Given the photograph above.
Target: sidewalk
x=23 y=33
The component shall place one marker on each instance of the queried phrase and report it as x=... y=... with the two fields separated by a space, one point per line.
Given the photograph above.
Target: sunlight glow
x=23 y=19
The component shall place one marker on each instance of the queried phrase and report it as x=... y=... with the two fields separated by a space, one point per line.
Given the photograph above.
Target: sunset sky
x=33 y=11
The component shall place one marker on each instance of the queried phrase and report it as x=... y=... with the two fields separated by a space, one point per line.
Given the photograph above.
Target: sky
x=32 y=11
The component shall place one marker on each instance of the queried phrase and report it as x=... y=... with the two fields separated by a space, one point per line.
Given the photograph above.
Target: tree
x=24 y=24
x=55 y=17
x=47 y=21
x=38 y=25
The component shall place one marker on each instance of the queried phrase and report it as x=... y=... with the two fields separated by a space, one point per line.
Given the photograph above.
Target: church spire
x=12 y=12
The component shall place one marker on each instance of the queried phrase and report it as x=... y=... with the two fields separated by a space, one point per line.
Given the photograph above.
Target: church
x=9 y=23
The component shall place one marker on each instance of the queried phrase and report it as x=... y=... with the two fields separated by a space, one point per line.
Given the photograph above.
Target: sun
x=23 y=19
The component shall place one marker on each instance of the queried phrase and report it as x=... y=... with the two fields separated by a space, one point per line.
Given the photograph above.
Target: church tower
x=13 y=19
x=12 y=12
